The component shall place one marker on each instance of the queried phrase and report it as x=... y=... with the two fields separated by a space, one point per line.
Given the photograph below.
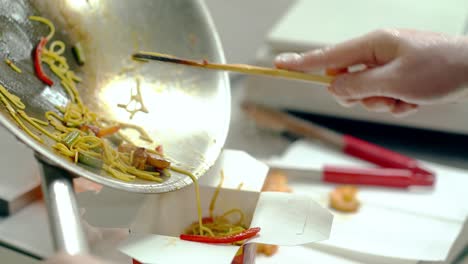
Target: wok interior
x=188 y=109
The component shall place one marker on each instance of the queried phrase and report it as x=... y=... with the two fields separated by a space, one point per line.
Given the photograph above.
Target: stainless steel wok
x=189 y=109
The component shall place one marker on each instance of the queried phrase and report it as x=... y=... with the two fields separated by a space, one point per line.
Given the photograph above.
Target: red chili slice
x=38 y=63
x=207 y=220
x=248 y=233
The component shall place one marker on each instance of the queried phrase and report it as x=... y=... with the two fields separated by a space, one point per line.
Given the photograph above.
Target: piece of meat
x=140 y=157
x=127 y=148
x=157 y=161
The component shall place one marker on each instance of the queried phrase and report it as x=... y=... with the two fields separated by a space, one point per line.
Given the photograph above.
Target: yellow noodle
x=215 y=195
x=143 y=175
x=40 y=122
x=57 y=44
x=220 y=226
x=207 y=230
x=118 y=174
x=137 y=98
x=63 y=149
x=13 y=66
x=13 y=98
x=89 y=142
x=47 y=22
x=15 y=117
x=35 y=125
x=197 y=193
x=52 y=115
x=143 y=134
x=235 y=210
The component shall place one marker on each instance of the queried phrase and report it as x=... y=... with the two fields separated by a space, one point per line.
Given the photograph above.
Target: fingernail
x=289 y=57
x=381 y=106
x=336 y=87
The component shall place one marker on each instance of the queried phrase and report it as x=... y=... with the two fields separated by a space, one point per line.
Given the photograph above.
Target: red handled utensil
x=386 y=177
x=396 y=170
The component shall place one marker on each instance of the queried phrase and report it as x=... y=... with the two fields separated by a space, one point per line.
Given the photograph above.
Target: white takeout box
x=156 y=221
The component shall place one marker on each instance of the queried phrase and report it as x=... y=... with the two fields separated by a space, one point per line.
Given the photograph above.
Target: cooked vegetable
x=107 y=131
x=90 y=160
x=140 y=156
x=92 y=128
x=78 y=53
x=71 y=138
x=38 y=63
x=248 y=233
x=13 y=66
x=158 y=161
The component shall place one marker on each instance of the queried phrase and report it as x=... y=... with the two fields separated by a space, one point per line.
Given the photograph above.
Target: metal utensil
x=189 y=109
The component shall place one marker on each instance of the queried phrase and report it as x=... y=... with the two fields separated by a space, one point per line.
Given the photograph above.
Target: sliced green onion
x=78 y=53
x=98 y=149
x=90 y=161
x=71 y=138
x=115 y=139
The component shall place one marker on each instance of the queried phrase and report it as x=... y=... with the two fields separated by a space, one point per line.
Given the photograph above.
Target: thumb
x=364 y=84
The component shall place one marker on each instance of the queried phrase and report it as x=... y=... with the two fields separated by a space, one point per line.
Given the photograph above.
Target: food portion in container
x=220 y=229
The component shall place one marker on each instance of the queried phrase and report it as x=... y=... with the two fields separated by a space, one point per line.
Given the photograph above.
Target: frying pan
x=188 y=109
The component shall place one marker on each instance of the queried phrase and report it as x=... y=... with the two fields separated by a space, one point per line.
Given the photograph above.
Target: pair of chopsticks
x=395 y=169
x=240 y=68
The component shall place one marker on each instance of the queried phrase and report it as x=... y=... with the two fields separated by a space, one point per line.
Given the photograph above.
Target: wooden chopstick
x=241 y=68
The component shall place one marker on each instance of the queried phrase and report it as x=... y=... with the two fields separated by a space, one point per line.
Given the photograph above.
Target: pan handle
x=64 y=220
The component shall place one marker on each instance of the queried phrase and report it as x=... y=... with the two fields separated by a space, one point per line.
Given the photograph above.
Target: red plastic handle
x=388 y=177
x=380 y=156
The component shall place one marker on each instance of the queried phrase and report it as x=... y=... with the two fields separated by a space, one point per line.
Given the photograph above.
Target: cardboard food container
x=156 y=221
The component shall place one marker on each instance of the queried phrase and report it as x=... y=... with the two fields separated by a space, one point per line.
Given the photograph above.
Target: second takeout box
x=156 y=221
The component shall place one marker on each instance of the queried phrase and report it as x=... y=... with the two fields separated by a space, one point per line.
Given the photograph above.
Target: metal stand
x=64 y=220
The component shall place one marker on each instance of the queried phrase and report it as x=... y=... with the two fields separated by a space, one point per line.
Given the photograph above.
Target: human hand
x=403 y=69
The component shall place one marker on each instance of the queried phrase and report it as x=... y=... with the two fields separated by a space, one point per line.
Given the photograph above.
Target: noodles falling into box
x=156 y=221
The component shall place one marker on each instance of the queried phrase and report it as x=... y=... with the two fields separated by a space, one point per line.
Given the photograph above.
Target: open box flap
x=290 y=220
